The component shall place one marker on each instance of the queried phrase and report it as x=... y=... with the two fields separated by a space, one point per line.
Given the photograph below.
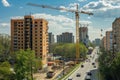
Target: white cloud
x=85 y=22
x=5 y=3
x=4 y=24
x=17 y=17
x=4 y=28
x=82 y=0
x=21 y=7
x=57 y=24
x=104 y=8
x=71 y=6
x=93 y=33
x=62 y=7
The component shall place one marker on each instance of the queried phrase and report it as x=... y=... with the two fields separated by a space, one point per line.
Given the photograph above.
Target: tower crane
x=77 y=22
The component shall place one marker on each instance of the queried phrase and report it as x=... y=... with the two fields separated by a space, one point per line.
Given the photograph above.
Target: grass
x=73 y=69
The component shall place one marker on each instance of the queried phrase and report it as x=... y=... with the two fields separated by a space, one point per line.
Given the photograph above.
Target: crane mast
x=77 y=23
x=77 y=35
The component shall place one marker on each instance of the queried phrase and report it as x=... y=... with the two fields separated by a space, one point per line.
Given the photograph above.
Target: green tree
x=4 y=47
x=23 y=67
x=37 y=64
x=109 y=65
x=5 y=71
x=68 y=50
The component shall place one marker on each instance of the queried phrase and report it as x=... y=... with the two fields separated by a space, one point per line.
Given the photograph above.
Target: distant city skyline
x=105 y=12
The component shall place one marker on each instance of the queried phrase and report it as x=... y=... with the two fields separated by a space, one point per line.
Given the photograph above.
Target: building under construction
x=32 y=33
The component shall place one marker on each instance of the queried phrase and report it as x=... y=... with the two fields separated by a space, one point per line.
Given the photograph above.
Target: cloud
x=93 y=32
x=104 y=8
x=17 y=17
x=5 y=3
x=85 y=22
x=5 y=28
x=71 y=6
x=21 y=7
x=57 y=24
x=4 y=24
x=82 y=0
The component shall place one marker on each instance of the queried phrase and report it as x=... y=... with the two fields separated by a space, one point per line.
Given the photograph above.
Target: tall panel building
x=116 y=33
x=83 y=35
x=108 y=40
x=103 y=42
x=97 y=42
x=51 y=38
x=51 y=41
x=32 y=33
x=65 y=38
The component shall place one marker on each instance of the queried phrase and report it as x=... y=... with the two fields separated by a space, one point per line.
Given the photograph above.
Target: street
x=88 y=67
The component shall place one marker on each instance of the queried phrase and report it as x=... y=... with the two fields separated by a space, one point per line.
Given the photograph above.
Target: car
x=94 y=66
x=93 y=63
x=70 y=78
x=78 y=75
x=82 y=66
x=50 y=74
x=87 y=77
x=89 y=73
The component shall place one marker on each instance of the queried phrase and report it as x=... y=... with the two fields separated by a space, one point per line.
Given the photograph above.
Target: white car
x=70 y=78
x=87 y=77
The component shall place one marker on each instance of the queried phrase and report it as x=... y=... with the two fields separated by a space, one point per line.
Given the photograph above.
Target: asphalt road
x=88 y=67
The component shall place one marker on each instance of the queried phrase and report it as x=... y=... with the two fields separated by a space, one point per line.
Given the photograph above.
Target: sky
x=105 y=12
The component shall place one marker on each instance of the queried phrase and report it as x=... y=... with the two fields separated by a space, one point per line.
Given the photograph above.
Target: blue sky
x=105 y=12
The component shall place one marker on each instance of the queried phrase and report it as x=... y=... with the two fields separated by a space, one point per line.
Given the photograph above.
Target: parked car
x=82 y=66
x=93 y=63
x=87 y=77
x=50 y=74
x=70 y=78
x=94 y=66
x=89 y=73
x=78 y=75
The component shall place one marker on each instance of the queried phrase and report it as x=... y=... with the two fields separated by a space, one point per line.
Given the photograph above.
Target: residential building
x=97 y=42
x=83 y=35
x=51 y=41
x=30 y=32
x=65 y=38
x=103 y=42
x=116 y=34
x=109 y=40
x=51 y=38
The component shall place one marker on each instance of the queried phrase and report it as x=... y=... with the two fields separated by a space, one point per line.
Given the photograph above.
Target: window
x=35 y=31
x=35 y=22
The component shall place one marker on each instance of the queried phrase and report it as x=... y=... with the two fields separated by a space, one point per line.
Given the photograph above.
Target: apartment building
x=30 y=32
x=51 y=41
x=65 y=38
x=103 y=42
x=116 y=34
x=109 y=40
x=83 y=35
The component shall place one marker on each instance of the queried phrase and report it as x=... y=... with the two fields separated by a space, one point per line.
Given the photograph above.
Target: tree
x=37 y=64
x=4 y=47
x=68 y=50
x=23 y=67
x=5 y=71
x=109 y=65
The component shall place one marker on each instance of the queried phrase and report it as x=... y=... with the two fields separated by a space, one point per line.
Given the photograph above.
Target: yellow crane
x=77 y=22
